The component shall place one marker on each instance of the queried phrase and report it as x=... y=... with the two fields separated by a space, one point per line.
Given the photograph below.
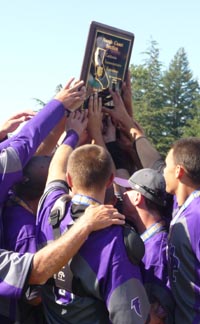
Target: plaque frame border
x=90 y=44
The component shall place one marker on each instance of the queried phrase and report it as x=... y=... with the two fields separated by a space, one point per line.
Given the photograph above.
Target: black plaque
x=106 y=60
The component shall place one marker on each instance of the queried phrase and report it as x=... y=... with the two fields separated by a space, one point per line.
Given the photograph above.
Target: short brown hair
x=90 y=166
x=186 y=152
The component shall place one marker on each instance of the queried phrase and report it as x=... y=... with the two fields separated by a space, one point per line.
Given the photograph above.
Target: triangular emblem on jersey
x=135 y=304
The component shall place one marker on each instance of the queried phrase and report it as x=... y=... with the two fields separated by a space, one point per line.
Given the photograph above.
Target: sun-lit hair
x=90 y=166
x=186 y=152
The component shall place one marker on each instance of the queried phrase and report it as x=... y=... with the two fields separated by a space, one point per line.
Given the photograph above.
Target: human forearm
x=53 y=257
x=148 y=155
x=58 y=166
x=50 y=142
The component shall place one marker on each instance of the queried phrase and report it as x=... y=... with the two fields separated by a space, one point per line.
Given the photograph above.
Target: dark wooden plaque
x=106 y=60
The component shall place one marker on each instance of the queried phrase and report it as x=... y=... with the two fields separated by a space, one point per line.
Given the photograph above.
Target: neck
x=146 y=220
x=183 y=192
x=97 y=196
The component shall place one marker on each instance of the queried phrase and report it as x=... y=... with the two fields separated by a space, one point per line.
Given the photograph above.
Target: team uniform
x=15 y=153
x=19 y=226
x=154 y=268
x=184 y=261
x=20 y=236
x=112 y=291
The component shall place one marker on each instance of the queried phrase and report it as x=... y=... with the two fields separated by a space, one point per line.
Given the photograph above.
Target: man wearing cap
x=143 y=204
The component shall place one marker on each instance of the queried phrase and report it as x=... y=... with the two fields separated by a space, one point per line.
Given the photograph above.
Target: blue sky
x=43 y=41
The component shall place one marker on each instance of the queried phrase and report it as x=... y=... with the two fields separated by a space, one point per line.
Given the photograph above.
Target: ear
x=135 y=197
x=69 y=180
x=138 y=198
x=179 y=171
x=110 y=180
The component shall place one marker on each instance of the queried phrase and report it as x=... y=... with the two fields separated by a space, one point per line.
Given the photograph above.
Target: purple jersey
x=15 y=153
x=154 y=268
x=112 y=284
x=20 y=236
x=184 y=263
x=19 y=229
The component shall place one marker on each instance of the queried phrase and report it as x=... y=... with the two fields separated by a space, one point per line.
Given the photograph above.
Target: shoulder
x=44 y=229
x=53 y=191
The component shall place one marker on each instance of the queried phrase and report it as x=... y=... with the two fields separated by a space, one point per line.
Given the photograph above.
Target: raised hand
x=73 y=95
x=11 y=124
x=77 y=121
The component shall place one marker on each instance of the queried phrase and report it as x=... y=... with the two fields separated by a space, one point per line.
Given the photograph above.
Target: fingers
x=117 y=218
x=79 y=85
x=114 y=215
x=102 y=216
x=69 y=83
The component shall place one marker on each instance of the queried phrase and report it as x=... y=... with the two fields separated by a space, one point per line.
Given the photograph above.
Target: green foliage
x=41 y=103
x=166 y=103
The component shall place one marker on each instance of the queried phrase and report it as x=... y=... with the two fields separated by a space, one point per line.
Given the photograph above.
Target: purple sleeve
x=14 y=273
x=16 y=151
x=35 y=130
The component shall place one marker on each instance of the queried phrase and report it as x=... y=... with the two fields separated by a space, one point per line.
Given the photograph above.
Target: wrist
x=71 y=138
x=135 y=133
x=85 y=226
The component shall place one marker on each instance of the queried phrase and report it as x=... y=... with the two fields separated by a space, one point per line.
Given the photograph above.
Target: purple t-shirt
x=113 y=287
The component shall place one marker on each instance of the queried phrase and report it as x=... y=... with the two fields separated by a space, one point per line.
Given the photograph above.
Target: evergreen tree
x=192 y=127
x=181 y=92
x=148 y=97
x=167 y=105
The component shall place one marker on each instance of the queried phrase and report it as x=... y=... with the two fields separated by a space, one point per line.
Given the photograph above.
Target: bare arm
x=50 y=142
x=95 y=120
x=147 y=154
x=54 y=256
x=121 y=117
x=75 y=125
x=127 y=94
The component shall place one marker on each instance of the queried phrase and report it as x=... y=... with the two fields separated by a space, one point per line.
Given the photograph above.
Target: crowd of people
x=95 y=226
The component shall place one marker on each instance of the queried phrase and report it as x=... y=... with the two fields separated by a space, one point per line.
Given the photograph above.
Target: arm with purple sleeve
x=15 y=153
x=14 y=269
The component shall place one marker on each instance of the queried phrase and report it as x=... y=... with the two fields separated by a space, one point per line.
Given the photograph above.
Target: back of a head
x=34 y=178
x=90 y=166
x=186 y=152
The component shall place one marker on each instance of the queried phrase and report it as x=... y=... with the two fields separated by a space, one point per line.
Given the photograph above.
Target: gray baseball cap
x=149 y=182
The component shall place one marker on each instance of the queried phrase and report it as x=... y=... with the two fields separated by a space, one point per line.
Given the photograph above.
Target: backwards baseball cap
x=149 y=182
